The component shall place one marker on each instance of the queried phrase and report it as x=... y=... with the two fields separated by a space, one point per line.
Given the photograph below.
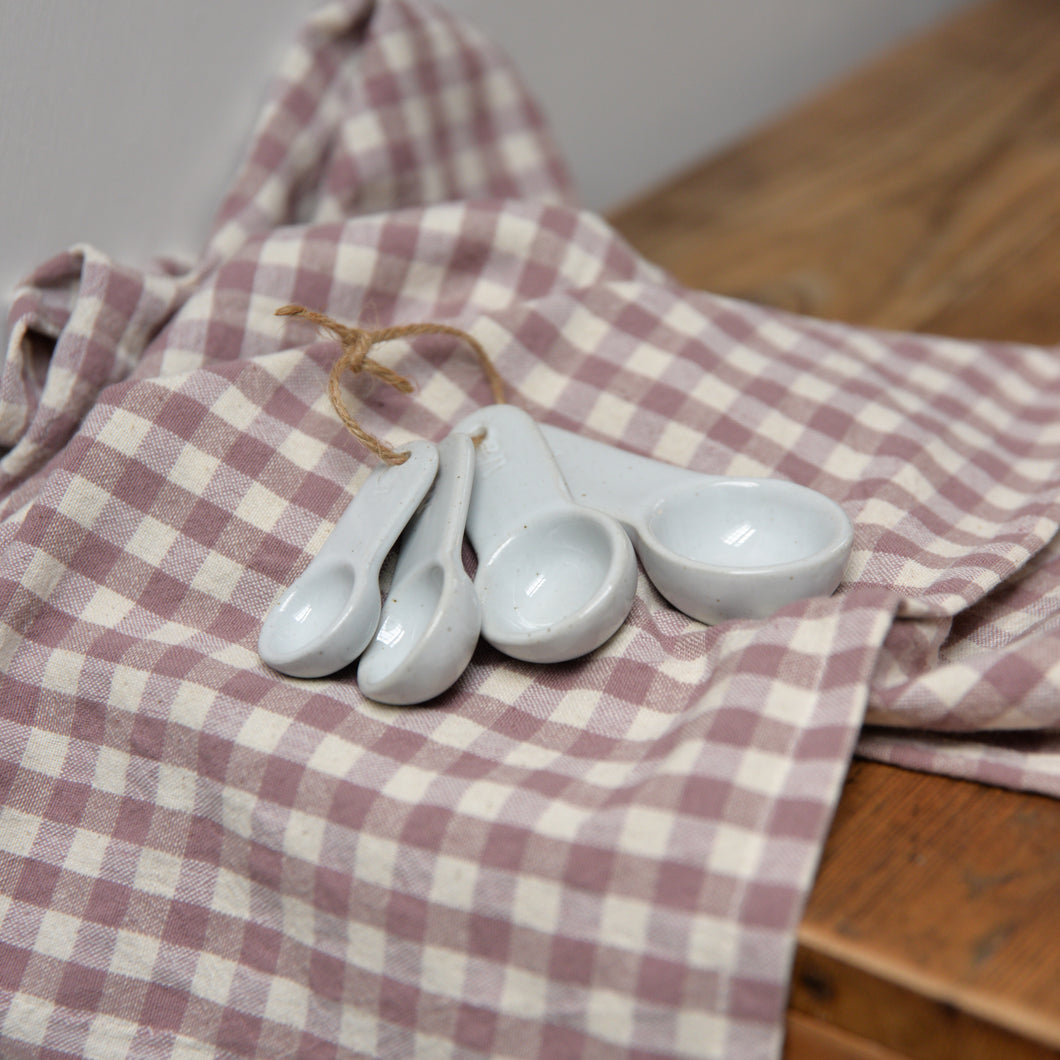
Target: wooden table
x=922 y=194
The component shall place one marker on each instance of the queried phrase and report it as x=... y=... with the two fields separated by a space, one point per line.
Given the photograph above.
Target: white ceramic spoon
x=555 y=579
x=716 y=547
x=431 y=616
x=328 y=616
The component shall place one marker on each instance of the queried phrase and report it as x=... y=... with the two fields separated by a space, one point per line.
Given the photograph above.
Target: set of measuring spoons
x=557 y=522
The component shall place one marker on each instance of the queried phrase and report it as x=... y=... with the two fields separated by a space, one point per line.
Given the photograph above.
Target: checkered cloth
x=597 y=859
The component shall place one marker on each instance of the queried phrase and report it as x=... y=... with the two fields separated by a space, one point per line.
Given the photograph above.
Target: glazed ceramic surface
x=555 y=579
x=431 y=616
x=716 y=547
x=328 y=616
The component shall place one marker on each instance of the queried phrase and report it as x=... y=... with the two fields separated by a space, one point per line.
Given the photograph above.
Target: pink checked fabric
x=606 y=858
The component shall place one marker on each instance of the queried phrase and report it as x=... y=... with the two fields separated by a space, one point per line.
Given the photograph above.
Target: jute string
x=356 y=342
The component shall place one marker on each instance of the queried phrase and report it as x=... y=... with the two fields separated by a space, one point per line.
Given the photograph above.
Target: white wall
x=637 y=89
x=121 y=120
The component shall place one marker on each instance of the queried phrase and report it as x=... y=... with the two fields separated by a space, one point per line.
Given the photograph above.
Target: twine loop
x=356 y=342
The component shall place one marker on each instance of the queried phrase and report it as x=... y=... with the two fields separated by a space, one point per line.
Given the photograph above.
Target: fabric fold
x=79 y=323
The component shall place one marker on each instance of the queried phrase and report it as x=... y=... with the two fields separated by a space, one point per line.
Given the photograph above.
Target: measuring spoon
x=328 y=616
x=431 y=616
x=555 y=579
x=717 y=547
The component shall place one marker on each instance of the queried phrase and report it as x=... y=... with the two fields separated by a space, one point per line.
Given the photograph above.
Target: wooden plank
x=934 y=921
x=921 y=194
x=809 y=1039
x=890 y=1016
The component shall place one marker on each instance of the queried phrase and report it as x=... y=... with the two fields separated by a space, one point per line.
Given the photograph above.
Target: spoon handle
x=380 y=509
x=437 y=532
x=516 y=475
x=622 y=484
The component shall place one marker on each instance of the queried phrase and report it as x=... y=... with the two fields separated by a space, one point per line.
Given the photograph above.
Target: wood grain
x=810 y=1038
x=921 y=194
x=934 y=922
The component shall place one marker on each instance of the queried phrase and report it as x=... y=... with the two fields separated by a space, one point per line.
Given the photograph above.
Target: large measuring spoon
x=716 y=547
x=328 y=616
x=431 y=616
x=555 y=579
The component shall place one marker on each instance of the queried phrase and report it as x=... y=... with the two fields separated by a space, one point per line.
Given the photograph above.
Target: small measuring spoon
x=431 y=616
x=717 y=547
x=328 y=616
x=555 y=579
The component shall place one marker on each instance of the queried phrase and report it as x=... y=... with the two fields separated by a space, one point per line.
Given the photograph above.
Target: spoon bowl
x=551 y=585
x=742 y=548
x=323 y=599
x=424 y=642
x=403 y=626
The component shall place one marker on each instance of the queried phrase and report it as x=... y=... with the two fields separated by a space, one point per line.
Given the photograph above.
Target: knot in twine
x=356 y=342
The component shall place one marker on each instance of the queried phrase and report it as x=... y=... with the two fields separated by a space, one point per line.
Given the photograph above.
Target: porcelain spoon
x=431 y=616
x=555 y=579
x=716 y=547
x=328 y=616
